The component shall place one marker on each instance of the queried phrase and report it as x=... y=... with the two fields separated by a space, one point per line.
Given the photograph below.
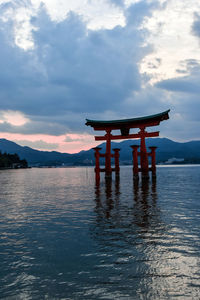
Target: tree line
x=12 y=161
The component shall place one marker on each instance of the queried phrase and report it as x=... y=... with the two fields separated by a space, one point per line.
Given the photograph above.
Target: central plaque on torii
x=125 y=125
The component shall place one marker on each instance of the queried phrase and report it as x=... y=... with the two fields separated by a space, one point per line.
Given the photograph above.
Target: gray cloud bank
x=74 y=73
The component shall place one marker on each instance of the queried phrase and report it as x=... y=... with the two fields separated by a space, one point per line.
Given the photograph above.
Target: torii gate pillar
x=143 y=154
x=108 y=169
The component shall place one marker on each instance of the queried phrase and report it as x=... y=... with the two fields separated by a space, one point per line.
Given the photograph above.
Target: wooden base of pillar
x=117 y=174
x=136 y=176
x=145 y=175
x=108 y=174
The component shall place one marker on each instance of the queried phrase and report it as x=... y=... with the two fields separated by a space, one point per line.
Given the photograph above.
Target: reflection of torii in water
x=124 y=126
x=113 y=214
x=145 y=201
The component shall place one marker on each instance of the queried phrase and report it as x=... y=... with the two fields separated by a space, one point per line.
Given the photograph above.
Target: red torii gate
x=124 y=126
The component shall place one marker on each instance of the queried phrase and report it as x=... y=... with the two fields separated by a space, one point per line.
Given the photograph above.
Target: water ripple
x=63 y=237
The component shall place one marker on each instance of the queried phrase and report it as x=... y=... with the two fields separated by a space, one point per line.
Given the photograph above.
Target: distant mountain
x=166 y=149
x=34 y=156
x=189 y=151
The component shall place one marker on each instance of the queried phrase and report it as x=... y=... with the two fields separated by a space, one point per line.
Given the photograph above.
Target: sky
x=62 y=61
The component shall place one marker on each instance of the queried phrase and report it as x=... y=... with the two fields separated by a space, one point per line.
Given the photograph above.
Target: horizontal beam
x=117 y=127
x=152 y=134
x=126 y=137
x=117 y=137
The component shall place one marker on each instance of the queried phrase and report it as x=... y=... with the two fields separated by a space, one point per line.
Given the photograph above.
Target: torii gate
x=124 y=126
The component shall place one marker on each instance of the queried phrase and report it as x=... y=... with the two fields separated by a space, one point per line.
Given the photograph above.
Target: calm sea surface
x=63 y=237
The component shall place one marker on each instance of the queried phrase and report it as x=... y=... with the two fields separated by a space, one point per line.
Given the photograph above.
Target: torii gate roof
x=146 y=121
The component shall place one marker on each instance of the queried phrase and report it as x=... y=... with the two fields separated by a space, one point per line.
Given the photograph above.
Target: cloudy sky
x=62 y=61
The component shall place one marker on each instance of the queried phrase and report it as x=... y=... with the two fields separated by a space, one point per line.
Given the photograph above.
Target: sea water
x=62 y=236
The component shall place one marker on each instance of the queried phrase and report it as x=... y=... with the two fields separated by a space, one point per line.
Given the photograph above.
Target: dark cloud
x=88 y=71
x=72 y=72
x=188 y=84
x=185 y=105
x=136 y=12
x=155 y=63
x=192 y=63
x=196 y=26
x=180 y=71
x=117 y=2
x=36 y=127
x=183 y=93
x=184 y=85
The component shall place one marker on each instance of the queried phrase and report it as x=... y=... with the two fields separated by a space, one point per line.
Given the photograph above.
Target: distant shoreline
x=10 y=168
x=69 y=167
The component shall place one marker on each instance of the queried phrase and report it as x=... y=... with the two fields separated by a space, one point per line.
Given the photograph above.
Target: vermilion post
x=143 y=154
x=135 y=160
x=116 y=156
x=108 y=154
x=153 y=160
x=97 y=164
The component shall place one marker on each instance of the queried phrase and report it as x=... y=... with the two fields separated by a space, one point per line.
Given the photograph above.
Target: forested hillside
x=12 y=161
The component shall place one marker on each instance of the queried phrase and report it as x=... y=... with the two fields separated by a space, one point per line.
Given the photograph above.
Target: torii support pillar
x=97 y=164
x=116 y=157
x=108 y=169
x=135 y=161
x=143 y=155
x=153 y=160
